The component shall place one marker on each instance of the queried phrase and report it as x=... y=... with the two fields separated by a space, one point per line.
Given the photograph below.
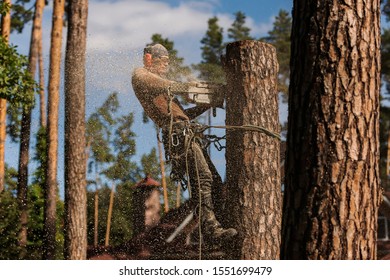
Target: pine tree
x=210 y=68
x=112 y=145
x=238 y=31
x=21 y=14
x=75 y=177
x=279 y=36
x=99 y=133
x=212 y=46
x=9 y=217
x=123 y=169
x=52 y=130
x=150 y=164
x=25 y=130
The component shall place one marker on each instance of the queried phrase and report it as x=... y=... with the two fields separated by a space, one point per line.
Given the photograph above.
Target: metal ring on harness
x=219 y=146
x=175 y=140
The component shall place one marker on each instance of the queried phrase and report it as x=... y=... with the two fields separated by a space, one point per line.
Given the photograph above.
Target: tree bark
x=109 y=215
x=332 y=174
x=96 y=219
x=163 y=180
x=52 y=130
x=42 y=98
x=5 y=32
x=253 y=158
x=75 y=171
x=25 y=131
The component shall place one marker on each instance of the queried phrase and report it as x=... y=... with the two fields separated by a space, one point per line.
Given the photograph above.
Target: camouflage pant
x=190 y=161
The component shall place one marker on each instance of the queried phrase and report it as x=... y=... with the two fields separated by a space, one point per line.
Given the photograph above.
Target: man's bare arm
x=196 y=111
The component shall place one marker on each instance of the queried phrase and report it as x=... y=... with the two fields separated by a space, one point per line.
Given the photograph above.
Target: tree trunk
x=75 y=171
x=163 y=180
x=52 y=130
x=388 y=155
x=109 y=215
x=252 y=158
x=25 y=131
x=96 y=217
x=5 y=32
x=332 y=173
x=42 y=98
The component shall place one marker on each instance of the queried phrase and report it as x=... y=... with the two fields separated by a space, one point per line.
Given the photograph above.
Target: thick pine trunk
x=75 y=171
x=252 y=157
x=52 y=130
x=332 y=172
x=25 y=130
x=5 y=32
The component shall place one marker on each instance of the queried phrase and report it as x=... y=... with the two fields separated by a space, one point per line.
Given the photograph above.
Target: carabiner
x=175 y=142
x=218 y=145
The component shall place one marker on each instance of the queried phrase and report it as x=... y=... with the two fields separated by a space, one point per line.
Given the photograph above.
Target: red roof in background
x=147 y=181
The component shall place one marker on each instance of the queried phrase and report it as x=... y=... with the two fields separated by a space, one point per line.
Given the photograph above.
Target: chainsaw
x=201 y=93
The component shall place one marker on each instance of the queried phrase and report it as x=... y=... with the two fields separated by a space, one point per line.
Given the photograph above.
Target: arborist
x=182 y=143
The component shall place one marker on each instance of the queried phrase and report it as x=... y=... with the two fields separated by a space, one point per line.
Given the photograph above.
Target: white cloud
x=130 y=24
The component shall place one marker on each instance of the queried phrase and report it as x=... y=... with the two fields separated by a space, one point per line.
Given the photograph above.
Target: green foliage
x=121 y=221
x=4 y=8
x=9 y=217
x=210 y=68
x=238 y=31
x=16 y=84
x=151 y=165
x=40 y=156
x=280 y=37
x=99 y=130
x=112 y=142
x=14 y=120
x=35 y=222
x=21 y=15
x=36 y=204
x=35 y=226
x=212 y=42
x=123 y=168
x=9 y=220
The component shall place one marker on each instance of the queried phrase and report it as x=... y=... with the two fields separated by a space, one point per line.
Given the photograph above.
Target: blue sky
x=117 y=32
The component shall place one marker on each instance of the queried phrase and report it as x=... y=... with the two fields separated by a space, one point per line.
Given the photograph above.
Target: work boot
x=211 y=228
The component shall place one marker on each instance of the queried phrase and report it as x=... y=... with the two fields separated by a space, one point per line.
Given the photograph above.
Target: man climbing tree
x=180 y=137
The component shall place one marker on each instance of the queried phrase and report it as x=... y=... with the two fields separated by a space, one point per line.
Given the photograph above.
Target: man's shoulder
x=140 y=71
x=139 y=75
